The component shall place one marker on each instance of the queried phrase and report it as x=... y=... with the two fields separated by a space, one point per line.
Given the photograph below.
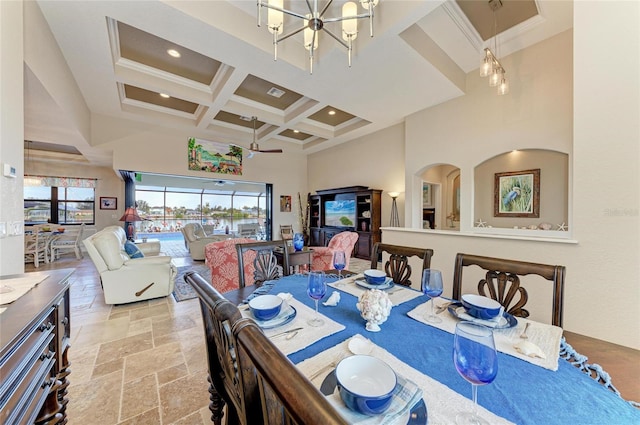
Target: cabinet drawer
x=33 y=380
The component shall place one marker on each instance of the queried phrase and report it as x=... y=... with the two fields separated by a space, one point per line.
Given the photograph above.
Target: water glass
x=316 y=289
x=432 y=287
x=476 y=360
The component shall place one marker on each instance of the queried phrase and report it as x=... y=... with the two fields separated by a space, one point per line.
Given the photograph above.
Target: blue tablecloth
x=522 y=393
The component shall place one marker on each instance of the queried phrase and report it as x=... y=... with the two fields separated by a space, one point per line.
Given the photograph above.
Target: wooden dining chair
x=397 y=266
x=225 y=386
x=286 y=233
x=265 y=263
x=248 y=374
x=35 y=246
x=502 y=282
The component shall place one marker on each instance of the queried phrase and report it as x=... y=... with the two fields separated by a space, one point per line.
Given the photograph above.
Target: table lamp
x=130 y=215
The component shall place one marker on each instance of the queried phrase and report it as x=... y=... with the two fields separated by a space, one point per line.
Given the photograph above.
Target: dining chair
x=502 y=282
x=67 y=242
x=247 y=373
x=265 y=263
x=35 y=246
x=286 y=233
x=225 y=386
x=397 y=266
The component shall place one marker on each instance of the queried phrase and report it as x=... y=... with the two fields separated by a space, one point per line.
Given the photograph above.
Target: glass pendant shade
x=365 y=3
x=275 y=17
x=349 y=26
x=503 y=88
x=308 y=35
x=495 y=77
x=486 y=67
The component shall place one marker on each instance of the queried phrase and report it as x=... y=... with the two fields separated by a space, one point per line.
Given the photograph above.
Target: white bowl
x=375 y=277
x=481 y=307
x=365 y=384
x=265 y=307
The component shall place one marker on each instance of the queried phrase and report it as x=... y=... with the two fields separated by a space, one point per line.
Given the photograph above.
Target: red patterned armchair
x=322 y=256
x=222 y=259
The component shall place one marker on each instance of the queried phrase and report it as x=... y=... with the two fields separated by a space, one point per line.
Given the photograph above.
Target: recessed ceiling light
x=174 y=53
x=332 y=112
x=245 y=118
x=296 y=131
x=275 y=92
x=166 y=96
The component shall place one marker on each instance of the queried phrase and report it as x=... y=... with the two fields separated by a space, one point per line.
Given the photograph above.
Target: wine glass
x=339 y=262
x=476 y=360
x=316 y=289
x=432 y=287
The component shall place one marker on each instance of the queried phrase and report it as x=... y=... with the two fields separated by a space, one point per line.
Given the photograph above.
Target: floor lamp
x=130 y=215
x=395 y=219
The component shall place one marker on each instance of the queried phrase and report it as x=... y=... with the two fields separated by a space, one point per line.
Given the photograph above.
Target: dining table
x=523 y=392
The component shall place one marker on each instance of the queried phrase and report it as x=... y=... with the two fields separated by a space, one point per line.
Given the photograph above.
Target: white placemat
x=398 y=294
x=547 y=337
x=17 y=287
x=305 y=336
x=443 y=404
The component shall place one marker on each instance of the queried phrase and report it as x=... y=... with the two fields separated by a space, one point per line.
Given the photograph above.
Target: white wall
x=165 y=151
x=11 y=132
x=375 y=161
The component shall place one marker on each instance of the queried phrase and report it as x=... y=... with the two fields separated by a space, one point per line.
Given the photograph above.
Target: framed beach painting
x=214 y=157
x=517 y=194
x=108 y=203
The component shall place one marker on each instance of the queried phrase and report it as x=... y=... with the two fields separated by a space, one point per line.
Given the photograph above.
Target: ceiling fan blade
x=270 y=150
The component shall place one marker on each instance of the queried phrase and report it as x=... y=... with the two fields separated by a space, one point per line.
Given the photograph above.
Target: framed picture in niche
x=108 y=203
x=517 y=194
x=426 y=195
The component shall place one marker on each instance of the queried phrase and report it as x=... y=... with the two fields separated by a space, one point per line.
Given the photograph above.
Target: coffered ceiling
x=120 y=56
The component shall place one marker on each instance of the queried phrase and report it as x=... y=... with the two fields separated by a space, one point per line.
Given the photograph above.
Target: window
x=58 y=205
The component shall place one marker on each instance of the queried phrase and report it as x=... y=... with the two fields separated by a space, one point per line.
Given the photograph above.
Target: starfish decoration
x=481 y=223
x=562 y=227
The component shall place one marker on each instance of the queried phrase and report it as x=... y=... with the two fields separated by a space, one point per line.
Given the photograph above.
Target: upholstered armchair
x=125 y=279
x=322 y=256
x=197 y=239
x=222 y=259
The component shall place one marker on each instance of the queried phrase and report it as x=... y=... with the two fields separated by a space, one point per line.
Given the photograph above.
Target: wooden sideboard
x=367 y=218
x=34 y=345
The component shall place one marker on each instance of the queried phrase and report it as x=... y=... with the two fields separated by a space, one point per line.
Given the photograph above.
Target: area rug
x=182 y=291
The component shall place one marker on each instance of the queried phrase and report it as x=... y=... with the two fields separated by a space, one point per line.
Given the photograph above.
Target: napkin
x=492 y=323
x=406 y=395
x=333 y=300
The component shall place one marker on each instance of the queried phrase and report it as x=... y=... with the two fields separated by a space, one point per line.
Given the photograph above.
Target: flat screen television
x=340 y=213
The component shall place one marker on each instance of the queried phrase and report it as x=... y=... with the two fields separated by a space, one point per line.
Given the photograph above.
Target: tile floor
x=141 y=363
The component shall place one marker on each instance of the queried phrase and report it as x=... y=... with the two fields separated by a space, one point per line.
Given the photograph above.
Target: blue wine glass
x=432 y=287
x=476 y=360
x=339 y=263
x=316 y=289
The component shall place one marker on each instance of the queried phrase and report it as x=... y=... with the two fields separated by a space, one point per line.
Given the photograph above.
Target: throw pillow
x=132 y=250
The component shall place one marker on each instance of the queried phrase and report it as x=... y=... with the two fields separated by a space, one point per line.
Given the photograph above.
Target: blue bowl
x=265 y=307
x=375 y=277
x=365 y=384
x=481 y=307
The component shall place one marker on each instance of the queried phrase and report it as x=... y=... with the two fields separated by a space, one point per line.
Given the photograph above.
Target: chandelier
x=491 y=66
x=314 y=21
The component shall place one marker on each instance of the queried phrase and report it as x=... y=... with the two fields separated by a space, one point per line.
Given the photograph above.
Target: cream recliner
x=124 y=279
x=197 y=239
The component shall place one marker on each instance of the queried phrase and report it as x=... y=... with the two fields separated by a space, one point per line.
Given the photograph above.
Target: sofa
x=126 y=279
x=196 y=239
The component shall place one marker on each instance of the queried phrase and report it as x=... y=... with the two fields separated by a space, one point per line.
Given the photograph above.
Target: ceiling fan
x=254 y=147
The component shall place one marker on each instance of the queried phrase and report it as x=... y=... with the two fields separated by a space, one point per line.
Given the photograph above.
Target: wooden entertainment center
x=362 y=216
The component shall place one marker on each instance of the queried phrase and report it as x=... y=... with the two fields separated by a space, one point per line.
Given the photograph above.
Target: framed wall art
x=285 y=203
x=108 y=203
x=517 y=194
x=427 y=196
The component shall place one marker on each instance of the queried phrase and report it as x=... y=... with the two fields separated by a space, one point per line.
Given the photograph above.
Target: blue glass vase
x=298 y=241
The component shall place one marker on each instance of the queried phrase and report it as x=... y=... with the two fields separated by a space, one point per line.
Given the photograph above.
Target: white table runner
x=547 y=337
x=398 y=294
x=442 y=402
x=12 y=289
x=305 y=336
